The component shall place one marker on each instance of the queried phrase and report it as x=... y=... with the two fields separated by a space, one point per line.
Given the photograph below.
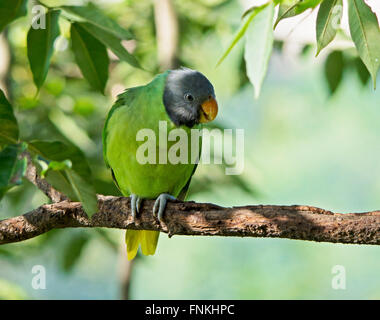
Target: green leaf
x=258 y=46
x=12 y=167
x=249 y=10
x=75 y=182
x=112 y=42
x=307 y=4
x=361 y=71
x=55 y=166
x=73 y=250
x=365 y=33
x=287 y=9
x=93 y=15
x=328 y=21
x=91 y=57
x=254 y=11
x=11 y=10
x=85 y=192
x=291 y=8
x=9 y=132
x=334 y=66
x=40 y=44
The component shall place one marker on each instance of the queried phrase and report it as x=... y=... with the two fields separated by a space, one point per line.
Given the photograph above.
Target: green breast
x=140 y=108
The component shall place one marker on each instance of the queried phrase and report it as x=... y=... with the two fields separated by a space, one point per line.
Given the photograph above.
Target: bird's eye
x=189 y=97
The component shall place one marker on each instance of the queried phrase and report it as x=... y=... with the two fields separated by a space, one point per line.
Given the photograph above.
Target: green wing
x=127 y=98
x=182 y=195
x=123 y=99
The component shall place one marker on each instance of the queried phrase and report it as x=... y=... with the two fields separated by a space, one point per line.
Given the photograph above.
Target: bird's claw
x=160 y=205
x=135 y=205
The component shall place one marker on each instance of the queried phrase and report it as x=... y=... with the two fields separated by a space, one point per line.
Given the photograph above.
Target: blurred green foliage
x=303 y=145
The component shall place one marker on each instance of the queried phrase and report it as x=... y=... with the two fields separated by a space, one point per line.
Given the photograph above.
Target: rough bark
x=190 y=218
x=43 y=185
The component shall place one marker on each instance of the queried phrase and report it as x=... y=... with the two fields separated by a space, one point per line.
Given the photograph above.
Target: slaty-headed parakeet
x=183 y=98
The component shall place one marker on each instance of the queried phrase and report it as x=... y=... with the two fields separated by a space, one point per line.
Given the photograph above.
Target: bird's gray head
x=189 y=98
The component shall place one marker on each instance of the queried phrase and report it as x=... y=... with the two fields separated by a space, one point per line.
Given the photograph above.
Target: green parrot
x=182 y=98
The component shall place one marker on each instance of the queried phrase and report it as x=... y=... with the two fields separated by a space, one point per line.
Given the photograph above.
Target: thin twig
x=33 y=176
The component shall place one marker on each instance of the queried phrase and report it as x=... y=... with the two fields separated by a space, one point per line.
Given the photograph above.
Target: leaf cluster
x=258 y=25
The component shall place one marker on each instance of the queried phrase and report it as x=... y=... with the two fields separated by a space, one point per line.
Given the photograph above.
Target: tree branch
x=32 y=175
x=190 y=218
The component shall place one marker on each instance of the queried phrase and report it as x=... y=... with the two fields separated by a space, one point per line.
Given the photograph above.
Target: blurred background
x=305 y=143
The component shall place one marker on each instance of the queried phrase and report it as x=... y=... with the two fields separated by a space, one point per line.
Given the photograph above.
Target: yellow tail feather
x=147 y=238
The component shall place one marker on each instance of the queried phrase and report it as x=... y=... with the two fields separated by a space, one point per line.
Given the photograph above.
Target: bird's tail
x=146 y=238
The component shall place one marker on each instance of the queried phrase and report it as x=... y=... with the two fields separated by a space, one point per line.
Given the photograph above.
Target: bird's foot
x=160 y=205
x=135 y=205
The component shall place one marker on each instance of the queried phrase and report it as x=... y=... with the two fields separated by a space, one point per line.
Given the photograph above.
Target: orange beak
x=209 y=110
